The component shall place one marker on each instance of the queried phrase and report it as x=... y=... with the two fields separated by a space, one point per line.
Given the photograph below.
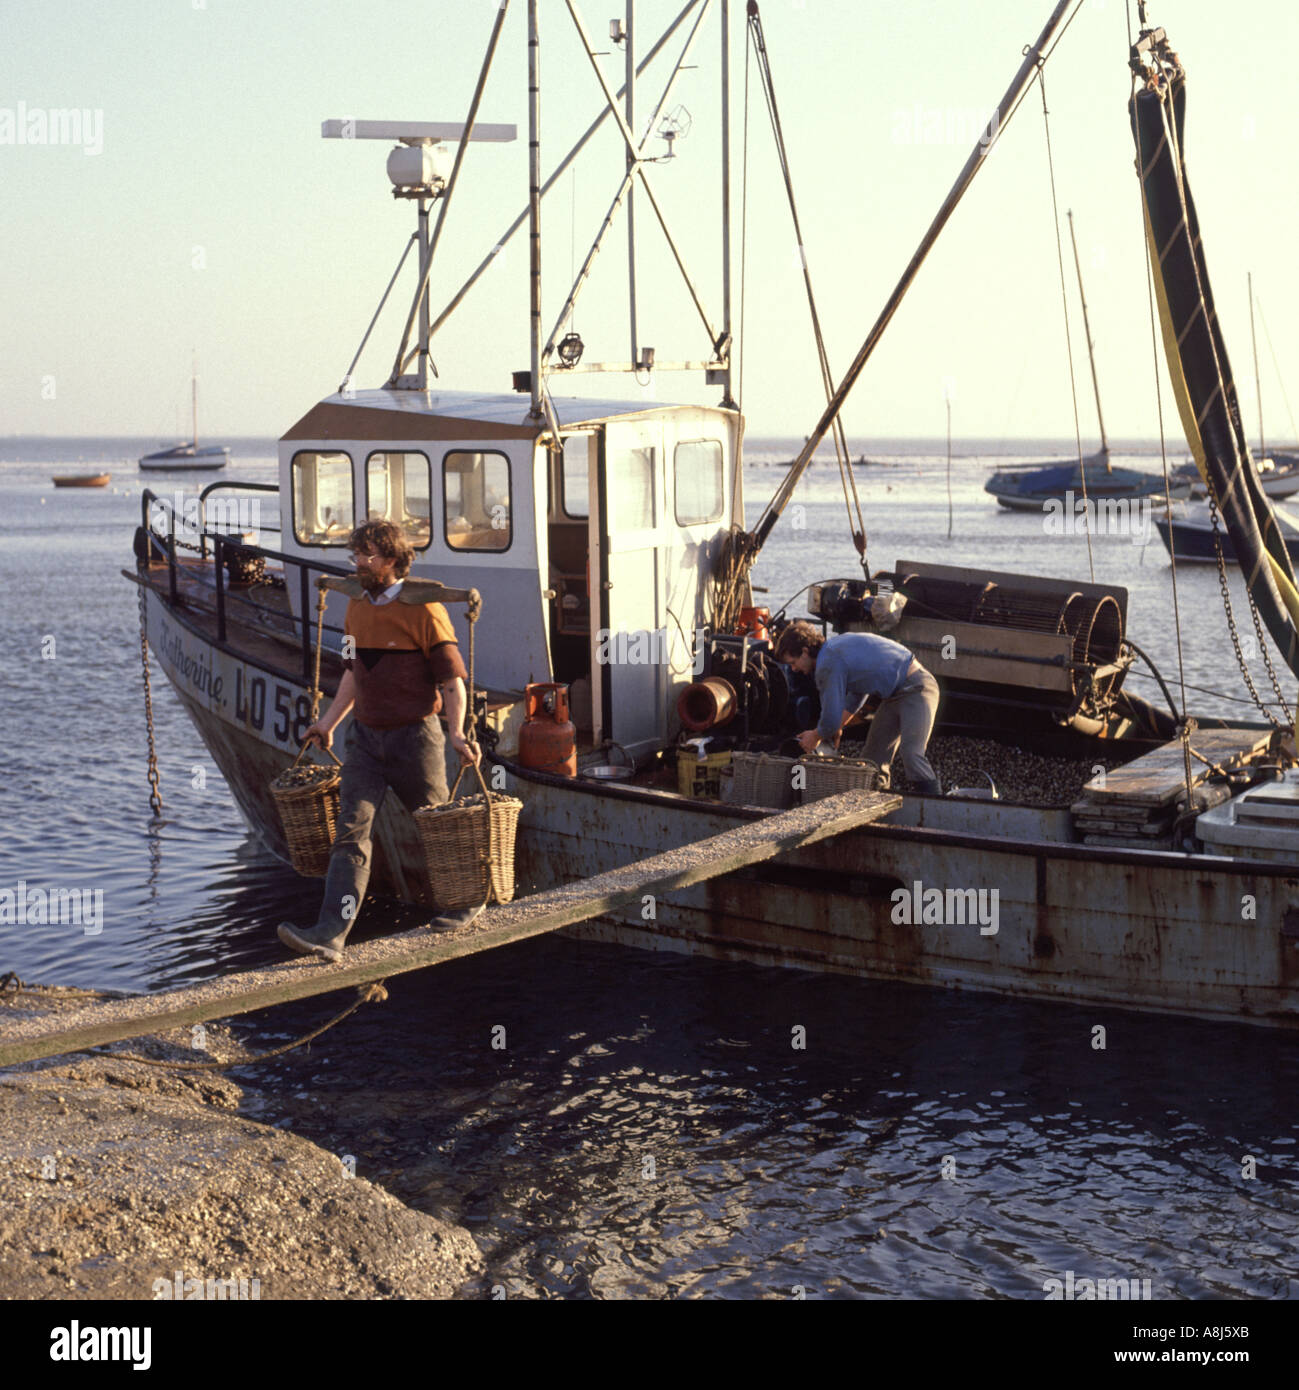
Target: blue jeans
x=412 y=761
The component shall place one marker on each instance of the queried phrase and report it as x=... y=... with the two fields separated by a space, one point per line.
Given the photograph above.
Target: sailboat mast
x=1258 y=381
x=1087 y=330
x=193 y=403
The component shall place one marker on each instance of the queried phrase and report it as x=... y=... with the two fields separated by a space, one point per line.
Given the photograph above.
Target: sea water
x=615 y=1123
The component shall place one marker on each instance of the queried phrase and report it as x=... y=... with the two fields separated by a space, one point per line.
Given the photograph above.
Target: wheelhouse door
x=630 y=648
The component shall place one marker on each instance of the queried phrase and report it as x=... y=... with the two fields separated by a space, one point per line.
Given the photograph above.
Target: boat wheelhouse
x=594 y=559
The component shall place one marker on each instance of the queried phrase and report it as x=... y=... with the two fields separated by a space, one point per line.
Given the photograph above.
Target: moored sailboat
x=188 y=456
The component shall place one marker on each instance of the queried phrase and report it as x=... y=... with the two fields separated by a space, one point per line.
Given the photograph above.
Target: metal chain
x=155 y=797
x=1267 y=656
x=1231 y=617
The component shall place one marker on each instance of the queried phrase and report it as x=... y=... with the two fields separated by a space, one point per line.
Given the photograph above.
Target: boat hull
x=1079 y=924
x=81 y=479
x=185 y=460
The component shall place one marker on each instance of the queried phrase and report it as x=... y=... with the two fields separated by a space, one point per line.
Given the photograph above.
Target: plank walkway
x=23 y=1040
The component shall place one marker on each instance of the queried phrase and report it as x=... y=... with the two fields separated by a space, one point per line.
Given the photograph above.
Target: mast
x=193 y=400
x=534 y=205
x=728 y=398
x=1258 y=382
x=629 y=101
x=1087 y=331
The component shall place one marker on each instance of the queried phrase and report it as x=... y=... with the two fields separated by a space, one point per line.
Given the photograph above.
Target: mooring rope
x=11 y=986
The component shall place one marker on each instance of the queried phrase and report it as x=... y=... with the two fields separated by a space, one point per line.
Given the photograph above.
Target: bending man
x=848 y=670
x=406 y=665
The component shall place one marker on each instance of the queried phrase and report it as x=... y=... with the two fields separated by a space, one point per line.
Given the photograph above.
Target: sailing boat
x=187 y=456
x=1029 y=487
x=582 y=524
x=1189 y=532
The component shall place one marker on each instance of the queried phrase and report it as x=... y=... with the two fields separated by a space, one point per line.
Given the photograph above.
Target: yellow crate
x=698 y=776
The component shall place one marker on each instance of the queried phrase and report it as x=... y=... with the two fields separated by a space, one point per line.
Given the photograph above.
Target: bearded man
x=406 y=670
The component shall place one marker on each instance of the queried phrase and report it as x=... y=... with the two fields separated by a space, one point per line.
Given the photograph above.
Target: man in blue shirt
x=850 y=668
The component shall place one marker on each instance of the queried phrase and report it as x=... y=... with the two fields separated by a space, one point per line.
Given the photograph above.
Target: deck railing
x=162 y=540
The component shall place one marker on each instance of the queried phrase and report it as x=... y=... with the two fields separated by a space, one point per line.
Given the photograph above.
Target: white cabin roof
x=389 y=414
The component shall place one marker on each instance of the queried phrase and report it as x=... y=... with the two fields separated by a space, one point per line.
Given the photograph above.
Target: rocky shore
x=123 y=1180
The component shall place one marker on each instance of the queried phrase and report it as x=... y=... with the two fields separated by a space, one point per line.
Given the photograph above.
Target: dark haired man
x=849 y=669
x=406 y=668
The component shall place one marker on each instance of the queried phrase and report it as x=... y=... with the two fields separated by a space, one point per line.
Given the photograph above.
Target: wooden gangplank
x=24 y=1040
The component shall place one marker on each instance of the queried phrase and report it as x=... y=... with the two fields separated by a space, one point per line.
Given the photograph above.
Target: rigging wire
x=1184 y=726
x=754 y=540
x=1064 y=301
x=1285 y=395
x=847 y=481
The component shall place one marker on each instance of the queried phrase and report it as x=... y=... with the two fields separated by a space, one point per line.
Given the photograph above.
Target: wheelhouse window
x=476 y=497
x=324 y=504
x=631 y=490
x=575 y=470
x=397 y=489
x=698 y=482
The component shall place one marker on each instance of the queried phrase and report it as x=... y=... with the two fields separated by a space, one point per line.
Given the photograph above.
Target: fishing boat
x=188 y=456
x=1187 y=531
x=608 y=544
x=1030 y=487
x=81 y=479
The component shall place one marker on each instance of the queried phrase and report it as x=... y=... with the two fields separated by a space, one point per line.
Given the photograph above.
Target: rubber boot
x=930 y=788
x=313 y=941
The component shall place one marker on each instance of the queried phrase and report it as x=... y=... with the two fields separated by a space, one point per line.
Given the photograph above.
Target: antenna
x=421 y=167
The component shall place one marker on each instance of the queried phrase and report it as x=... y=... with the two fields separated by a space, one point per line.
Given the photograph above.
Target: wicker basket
x=759 y=779
x=469 y=847
x=306 y=796
x=829 y=776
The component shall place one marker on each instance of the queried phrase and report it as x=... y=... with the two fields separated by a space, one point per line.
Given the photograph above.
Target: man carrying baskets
x=405 y=669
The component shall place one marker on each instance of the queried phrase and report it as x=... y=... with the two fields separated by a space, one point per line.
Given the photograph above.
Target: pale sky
x=201 y=211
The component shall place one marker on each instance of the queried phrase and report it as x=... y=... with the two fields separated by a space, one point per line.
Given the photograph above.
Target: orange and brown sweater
x=404 y=651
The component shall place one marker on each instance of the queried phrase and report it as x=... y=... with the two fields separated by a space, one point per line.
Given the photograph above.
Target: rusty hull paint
x=1164 y=937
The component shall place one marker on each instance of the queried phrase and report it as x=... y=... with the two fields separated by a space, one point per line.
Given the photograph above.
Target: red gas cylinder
x=548 y=739
x=753 y=622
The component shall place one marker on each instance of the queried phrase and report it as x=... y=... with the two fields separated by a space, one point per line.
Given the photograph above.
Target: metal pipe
x=560 y=169
x=634 y=148
x=727 y=398
x=534 y=206
x=632 y=156
x=973 y=164
x=304 y=595
x=218 y=560
x=421 y=295
x=571 y=302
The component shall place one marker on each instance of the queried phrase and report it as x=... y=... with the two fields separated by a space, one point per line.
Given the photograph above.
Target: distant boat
x=81 y=479
x=1028 y=489
x=1188 y=534
x=1278 y=475
x=187 y=457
